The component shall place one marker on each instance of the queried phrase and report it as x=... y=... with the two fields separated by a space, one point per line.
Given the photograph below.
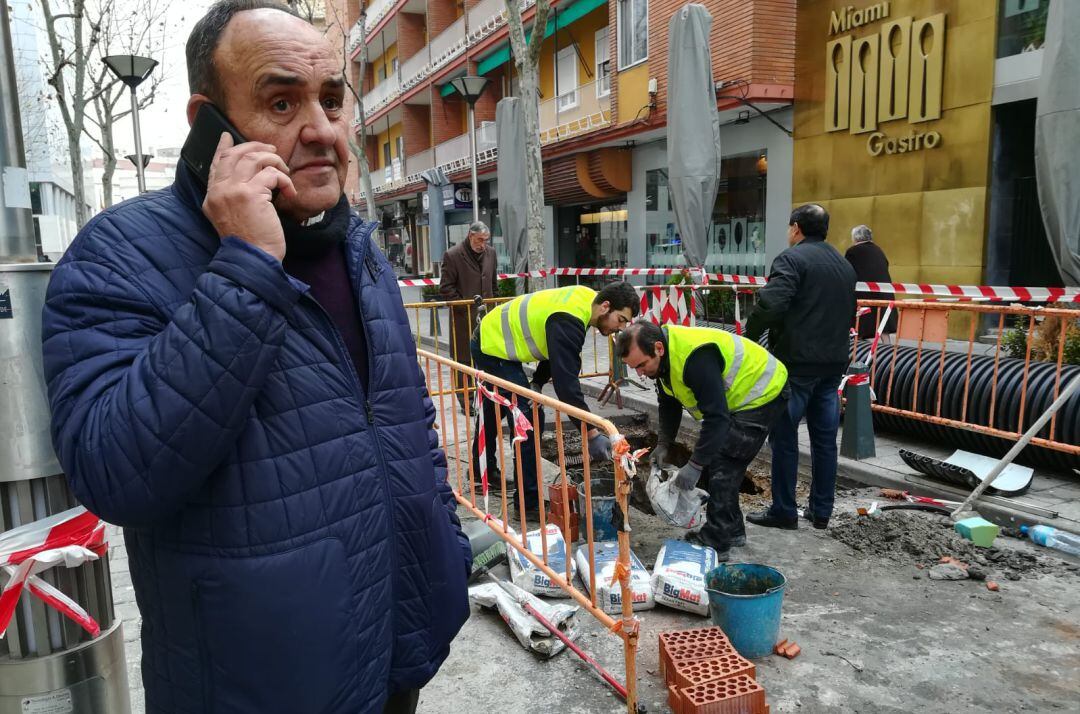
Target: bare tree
x=80 y=35
x=357 y=148
x=527 y=61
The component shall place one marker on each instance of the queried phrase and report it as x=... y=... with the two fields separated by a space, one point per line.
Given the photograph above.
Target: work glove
x=660 y=455
x=599 y=447
x=688 y=476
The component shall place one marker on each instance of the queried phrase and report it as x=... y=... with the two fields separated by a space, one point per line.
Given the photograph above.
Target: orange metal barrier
x=925 y=327
x=440 y=372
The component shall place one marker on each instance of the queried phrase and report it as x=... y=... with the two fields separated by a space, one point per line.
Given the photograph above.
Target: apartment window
x=633 y=32
x=393 y=66
x=566 y=66
x=386 y=153
x=400 y=147
x=603 y=64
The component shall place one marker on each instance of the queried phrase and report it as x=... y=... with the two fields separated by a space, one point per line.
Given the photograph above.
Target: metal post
x=472 y=164
x=138 y=141
x=16 y=217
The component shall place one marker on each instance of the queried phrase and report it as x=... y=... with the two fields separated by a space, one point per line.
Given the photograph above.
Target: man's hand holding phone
x=240 y=193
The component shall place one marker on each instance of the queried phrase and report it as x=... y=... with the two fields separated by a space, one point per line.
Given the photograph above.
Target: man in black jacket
x=808 y=306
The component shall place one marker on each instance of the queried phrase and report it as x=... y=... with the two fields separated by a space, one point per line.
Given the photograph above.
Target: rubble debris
x=948 y=571
x=908 y=537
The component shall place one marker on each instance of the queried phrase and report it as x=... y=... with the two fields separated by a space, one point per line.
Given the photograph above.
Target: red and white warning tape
x=70 y=539
x=522 y=427
x=960 y=292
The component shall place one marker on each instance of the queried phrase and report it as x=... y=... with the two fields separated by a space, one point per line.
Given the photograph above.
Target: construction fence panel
x=458 y=425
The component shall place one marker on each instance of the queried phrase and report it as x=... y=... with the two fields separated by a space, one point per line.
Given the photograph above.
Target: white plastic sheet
x=675 y=506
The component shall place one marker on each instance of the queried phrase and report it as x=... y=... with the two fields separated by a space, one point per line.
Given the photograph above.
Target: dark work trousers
x=402 y=702
x=814 y=398
x=511 y=372
x=725 y=473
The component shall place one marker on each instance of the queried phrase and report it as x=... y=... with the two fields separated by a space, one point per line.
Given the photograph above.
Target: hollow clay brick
x=735 y=695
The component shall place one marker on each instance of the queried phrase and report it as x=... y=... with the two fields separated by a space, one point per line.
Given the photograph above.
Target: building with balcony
x=603 y=118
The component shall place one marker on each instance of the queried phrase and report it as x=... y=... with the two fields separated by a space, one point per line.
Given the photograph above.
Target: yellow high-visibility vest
x=752 y=376
x=516 y=331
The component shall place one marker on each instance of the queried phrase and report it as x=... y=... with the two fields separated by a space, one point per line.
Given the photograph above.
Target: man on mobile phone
x=232 y=380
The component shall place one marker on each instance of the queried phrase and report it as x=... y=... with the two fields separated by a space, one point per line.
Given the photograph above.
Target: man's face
x=478 y=240
x=283 y=86
x=612 y=321
x=644 y=365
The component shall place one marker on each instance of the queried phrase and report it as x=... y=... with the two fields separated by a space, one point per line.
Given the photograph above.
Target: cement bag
x=678 y=507
x=528 y=631
x=608 y=594
x=678 y=578
x=528 y=577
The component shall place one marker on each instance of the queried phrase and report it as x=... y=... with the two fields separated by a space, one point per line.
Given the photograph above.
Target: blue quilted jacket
x=292 y=539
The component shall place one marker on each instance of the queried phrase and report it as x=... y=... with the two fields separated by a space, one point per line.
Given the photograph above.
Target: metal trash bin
x=48 y=664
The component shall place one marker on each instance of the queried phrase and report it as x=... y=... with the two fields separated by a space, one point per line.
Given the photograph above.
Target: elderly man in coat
x=233 y=380
x=468 y=269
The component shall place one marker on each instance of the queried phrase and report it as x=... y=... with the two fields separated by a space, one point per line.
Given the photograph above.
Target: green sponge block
x=978 y=530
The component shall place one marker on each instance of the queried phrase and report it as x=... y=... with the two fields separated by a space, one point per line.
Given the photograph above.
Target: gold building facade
x=893 y=128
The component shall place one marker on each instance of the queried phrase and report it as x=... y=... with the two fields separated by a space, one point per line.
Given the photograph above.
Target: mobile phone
x=202 y=141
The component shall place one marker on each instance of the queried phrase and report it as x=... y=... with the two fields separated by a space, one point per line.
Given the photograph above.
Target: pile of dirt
x=920 y=538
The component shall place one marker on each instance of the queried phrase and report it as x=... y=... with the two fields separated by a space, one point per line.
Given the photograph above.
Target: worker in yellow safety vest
x=547 y=327
x=734 y=387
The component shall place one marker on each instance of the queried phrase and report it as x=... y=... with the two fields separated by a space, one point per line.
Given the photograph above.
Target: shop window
x=601 y=239
x=1021 y=26
x=633 y=32
x=735 y=241
x=603 y=64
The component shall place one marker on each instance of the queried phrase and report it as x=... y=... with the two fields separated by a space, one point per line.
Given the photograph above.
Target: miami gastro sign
x=879 y=78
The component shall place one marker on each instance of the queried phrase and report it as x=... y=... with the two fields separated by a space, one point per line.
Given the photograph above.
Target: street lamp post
x=132 y=70
x=471 y=88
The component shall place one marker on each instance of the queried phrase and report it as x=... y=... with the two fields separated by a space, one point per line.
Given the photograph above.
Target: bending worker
x=734 y=387
x=548 y=327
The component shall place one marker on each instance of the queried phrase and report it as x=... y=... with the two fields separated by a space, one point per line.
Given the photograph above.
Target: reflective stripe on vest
x=515 y=330
x=752 y=377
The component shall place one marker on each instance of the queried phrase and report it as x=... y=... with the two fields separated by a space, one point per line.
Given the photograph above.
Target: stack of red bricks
x=705 y=675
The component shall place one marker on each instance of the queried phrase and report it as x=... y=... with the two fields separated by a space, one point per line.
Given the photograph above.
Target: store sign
x=892 y=74
x=457 y=197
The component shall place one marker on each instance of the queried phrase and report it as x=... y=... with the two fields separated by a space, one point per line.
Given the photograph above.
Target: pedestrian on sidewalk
x=808 y=307
x=548 y=327
x=734 y=387
x=871 y=266
x=232 y=379
x=469 y=270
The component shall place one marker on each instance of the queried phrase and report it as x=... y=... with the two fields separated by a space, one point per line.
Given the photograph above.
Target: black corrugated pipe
x=980 y=397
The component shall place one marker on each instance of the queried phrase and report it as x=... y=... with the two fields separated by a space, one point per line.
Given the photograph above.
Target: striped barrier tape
x=70 y=538
x=956 y=292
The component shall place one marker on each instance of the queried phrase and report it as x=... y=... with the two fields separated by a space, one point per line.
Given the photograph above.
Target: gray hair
x=861 y=234
x=478 y=227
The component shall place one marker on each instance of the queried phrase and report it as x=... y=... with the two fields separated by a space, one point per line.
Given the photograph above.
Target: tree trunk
x=527 y=60
x=82 y=215
x=109 y=164
x=361 y=156
x=534 y=214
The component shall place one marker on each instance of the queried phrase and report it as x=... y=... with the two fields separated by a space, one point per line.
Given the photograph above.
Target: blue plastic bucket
x=745 y=601
x=603 y=506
